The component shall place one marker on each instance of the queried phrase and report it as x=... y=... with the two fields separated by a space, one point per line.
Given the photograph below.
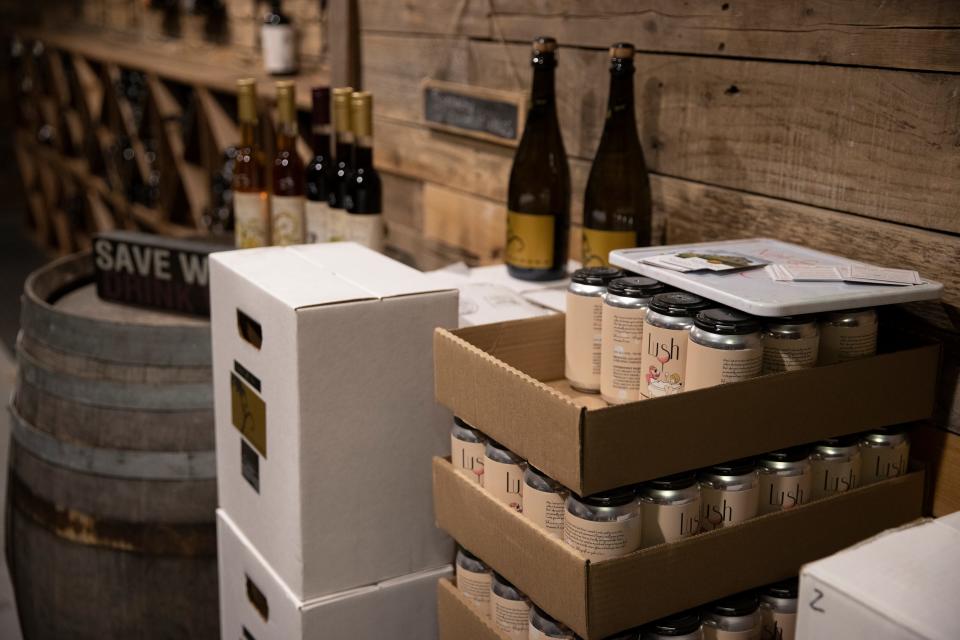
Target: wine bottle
x=250 y=206
x=616 y=206
x=343 y=131
x=364 y=201
x=538 y=199
x=287 y=198
x=319 y=176
x=279 y=42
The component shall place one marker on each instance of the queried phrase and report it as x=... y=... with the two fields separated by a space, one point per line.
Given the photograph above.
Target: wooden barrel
x=112 y=483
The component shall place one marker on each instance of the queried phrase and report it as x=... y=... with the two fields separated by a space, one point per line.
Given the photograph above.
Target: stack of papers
x=864 y=274
x=686 y=261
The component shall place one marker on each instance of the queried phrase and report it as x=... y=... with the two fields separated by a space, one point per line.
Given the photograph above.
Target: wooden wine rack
x=188 y=114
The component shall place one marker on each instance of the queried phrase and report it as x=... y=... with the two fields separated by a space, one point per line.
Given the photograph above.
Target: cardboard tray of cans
x=597 y=599
x=458 y=620
x=507 y=380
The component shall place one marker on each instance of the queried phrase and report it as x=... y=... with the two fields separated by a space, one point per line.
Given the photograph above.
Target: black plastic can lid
x=613 y=498
x=596 y=276
x=793 y=454
x=726 y=321
x=784 y=589
x=678 y=303
x=675 y=481
x=636 y=287
x=739 y=467
x=742 y=604
x=679 y=624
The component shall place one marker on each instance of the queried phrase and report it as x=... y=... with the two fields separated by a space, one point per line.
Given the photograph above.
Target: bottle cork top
x=247 y=100
x=622 y=50
x=361 y=113
x=341 y=108
x=286 y=101
x=544 y=44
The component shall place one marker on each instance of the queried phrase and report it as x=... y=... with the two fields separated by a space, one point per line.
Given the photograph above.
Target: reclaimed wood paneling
x=906 y=34
x=463 y=220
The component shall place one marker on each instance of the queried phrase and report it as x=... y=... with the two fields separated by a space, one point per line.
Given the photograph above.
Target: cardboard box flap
x=374 y=272
x=458 y=619
x=491 y=530
x=481 y=386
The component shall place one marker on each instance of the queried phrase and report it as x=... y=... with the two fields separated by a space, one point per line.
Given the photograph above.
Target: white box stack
x=325 y=418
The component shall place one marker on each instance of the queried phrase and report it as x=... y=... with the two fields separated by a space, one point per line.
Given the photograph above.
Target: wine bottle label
x=723 y=507
x=475 y=585
x=707 y=367
x=467 y=457
x=621 y=353
x=338 y=224
x=789 y=354
x=366 y=229
x=279 y=43
x=251 y=216
x=319 y=221
x=597 y=245
x=287 y=219
x=529 y=240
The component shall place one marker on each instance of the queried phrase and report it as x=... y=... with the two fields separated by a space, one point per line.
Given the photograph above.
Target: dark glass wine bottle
x=538 y=199
x=320 y=169
x=343 y=132
x=364 y=202
x=616 y=206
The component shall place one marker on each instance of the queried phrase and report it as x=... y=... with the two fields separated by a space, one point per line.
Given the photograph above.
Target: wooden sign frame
x=517 y=99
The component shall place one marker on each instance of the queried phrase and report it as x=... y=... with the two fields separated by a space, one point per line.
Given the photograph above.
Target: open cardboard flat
x=598 y=599
x=457 y=620
x=506 y=379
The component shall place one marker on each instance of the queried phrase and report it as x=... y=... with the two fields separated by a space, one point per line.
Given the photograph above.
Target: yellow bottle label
x=598 y=244
x=529 y=240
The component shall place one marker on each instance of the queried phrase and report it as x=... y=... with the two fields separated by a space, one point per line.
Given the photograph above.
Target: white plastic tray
x=755 y=292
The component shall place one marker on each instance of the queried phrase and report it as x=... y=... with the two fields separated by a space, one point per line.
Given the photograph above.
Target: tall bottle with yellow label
x=287 y=201
x=251 y=212
x=616 y=206
x=538 y=200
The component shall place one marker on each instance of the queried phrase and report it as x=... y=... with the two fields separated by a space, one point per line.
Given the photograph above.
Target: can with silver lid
x=670 y=508
x=778 y=610
x=680 y=626
x=583 y=326
x=503 y=474
x=544 y=501
x=730 y=493
x=467 y=446
x=509 y=608
x=624 y=308
x=785 y=479
x=725 y=346
x=543 y=627
x=835 y=465
x=884 y=454
x=847 y=335
x=604 y=525
x=473 y=580
x=665 y=329
x=790 y=343
x=733 y=618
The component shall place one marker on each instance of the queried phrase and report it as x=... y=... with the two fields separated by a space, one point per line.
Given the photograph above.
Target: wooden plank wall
x=832 y=123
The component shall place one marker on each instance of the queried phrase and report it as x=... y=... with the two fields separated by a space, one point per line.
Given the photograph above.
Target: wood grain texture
x=910 y=34
x=940 y=452
x=462 y=220
x=882 y=144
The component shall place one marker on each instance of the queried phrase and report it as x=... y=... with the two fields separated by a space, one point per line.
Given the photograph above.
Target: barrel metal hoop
x=116 y=463
x=151 y=538
x=116 y=395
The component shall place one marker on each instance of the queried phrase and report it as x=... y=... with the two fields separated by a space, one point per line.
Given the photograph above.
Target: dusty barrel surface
x=112 y=483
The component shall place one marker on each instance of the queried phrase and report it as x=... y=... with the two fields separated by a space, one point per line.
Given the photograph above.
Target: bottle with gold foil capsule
x=884 y=454
x=364 y=200
x=670 y=508
x=847 y=335
x=733 y=618
x=343 y=142
x=835 y=464
x=665 y=337
x=778 y=610
x=538 y=195
x=604 y=525
x=319 y=176
x=724 y=346
x=251 y=211
x=543 y=627
x=503 y=474
x=790 y=343
x=583 y=325
x=467 y=447
x=730 y=494
x=473 y=580
x=509 y=609
x=543 y=501
x=617 y=211
x=625 y=307
x=287 y=201
x=785 y=479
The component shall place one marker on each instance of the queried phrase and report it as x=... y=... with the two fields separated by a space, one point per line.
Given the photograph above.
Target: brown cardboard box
x=601 y=598
x=506 y=379
x=457 y=620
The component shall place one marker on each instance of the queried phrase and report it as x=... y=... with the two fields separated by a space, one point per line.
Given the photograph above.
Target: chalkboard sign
x=488 y=114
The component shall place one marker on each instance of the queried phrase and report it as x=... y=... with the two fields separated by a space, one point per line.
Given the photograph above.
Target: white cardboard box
x=903 y=583
x=256 y=605
x=330 y=479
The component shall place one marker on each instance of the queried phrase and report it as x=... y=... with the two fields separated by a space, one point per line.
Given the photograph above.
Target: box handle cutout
x=257 y=599
x=246 y=634
x=249 y=329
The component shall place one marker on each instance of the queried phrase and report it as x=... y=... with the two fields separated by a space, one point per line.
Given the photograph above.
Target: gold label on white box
x=475 y=586
x=504 y=481
x=545 y=509
x=512 y=617
x=669 y=522
x=722 y=508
